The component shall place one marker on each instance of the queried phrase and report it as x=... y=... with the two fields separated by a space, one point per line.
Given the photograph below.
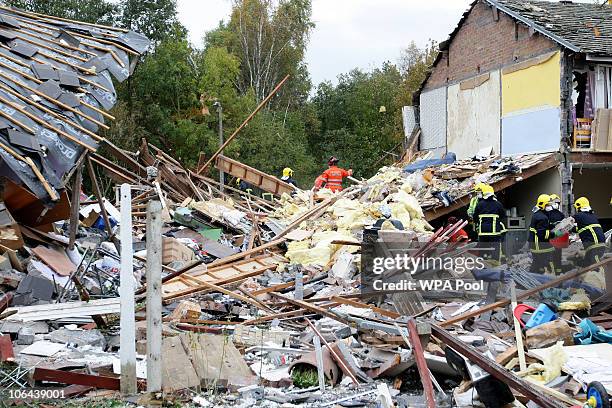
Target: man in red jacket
x=333 y=176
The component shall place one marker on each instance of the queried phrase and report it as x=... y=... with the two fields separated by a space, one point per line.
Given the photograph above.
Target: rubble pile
x=264 y=300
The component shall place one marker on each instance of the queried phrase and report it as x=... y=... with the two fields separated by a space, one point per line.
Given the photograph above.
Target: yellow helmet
x=487 y=189
x=237 y=181
x=581 y=203
x=543 y=201
x=554 y=197
x=478 y=187
x=287 y=172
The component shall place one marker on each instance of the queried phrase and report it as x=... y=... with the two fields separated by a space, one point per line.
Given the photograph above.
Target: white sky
x=348 y=33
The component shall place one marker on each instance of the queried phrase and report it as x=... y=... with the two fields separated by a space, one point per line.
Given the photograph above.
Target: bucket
x=560 y=242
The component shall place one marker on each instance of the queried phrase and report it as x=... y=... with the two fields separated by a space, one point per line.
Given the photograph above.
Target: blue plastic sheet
x=449 y=158
x=591 y=333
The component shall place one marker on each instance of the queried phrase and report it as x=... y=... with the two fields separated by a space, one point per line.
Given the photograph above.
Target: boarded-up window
x=433 y=120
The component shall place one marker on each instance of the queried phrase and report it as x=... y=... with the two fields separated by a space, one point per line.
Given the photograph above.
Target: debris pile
x=200 y=292
x=264 y=302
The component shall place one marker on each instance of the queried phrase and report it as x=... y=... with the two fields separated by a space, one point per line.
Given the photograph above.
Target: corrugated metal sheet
x=531 y=132
x=433 y=119
x=533 y=87
x=473 y=117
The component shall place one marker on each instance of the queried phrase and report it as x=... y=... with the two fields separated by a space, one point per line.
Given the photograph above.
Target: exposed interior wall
x=433 y=120
x=524 y=194
x=595 y=184
x=486 y=40
x=531 y=99
x=473 y=109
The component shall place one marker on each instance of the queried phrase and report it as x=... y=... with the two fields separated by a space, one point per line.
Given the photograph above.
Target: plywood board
x=473 y=116
x=532 y=132
x=433 y=119
x=532 y=87
x=177 y=371
x=215 y=357
x=56 y=259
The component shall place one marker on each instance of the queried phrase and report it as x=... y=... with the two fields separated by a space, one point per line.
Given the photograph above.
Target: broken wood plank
x=496 y=370
x=313 y=308
x=70 y=377
x=253 y=176
x=243 y=124
x=525 y=294
x=61 y=310
x=424 y=373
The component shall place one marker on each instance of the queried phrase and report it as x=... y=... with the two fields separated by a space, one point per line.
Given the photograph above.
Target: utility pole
x=217 y=104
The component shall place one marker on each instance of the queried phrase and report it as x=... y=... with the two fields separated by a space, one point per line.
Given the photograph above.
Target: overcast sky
x=348 y=33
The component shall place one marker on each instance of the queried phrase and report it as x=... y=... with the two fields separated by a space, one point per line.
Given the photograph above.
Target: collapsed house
x=517 y=77
x=199 y=292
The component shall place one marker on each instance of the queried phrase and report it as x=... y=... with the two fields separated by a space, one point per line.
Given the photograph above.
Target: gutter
x=533 y=25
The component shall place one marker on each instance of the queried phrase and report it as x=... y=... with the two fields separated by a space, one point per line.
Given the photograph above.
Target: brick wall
x=483 y=44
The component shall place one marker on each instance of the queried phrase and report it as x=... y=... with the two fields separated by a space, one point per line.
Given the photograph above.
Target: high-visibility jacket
x=540 y=231
x=333 y=177
x=472 y=206
x=590 y=231
x=487 y=217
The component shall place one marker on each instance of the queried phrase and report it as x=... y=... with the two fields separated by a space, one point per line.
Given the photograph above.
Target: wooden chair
x=582 y=133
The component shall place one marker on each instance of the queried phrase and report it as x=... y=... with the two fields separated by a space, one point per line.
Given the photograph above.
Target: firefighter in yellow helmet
x=590 y=231
x=540 y=232
x=476 y=195
x=244 y=186
x=555 y=216
x=488 y=216
x=288 y=176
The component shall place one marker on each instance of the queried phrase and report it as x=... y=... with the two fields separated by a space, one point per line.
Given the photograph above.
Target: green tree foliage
x=154 y=18
x=360 y=118
x=91 y=11
x=170 y=99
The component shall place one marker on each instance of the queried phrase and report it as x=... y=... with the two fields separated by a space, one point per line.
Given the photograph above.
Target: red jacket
x=460 y=235
x=333 y=178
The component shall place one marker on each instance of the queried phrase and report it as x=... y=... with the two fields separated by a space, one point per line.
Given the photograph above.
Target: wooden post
x=424 y=373
x=517 y=328
x=100 y=198
x=154 y=298
x=319 y=355
x=127 y=323
x=76 y=205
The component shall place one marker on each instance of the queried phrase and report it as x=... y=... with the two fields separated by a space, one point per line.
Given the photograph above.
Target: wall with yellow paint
x=533 y=87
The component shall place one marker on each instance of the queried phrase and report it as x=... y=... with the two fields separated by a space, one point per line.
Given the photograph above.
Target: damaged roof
x=56 y=84
x=581 y=27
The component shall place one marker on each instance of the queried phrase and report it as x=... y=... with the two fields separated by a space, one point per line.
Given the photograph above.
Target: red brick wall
x=483 y=44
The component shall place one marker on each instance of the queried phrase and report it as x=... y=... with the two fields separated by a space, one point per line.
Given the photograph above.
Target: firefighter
x=244 y=186
x=476 y=195
x=540 y=232
x=333 y=176
x=488 y=216
x=590 y=231
x=288 y=176
x=555 y=216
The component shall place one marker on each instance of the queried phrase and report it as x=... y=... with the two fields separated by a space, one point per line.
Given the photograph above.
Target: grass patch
x=305 y=376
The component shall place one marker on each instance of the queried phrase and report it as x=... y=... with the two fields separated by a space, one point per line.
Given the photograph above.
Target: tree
x=156 y=19
x=360 y=118
x=91 y=11
x=270 y=41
